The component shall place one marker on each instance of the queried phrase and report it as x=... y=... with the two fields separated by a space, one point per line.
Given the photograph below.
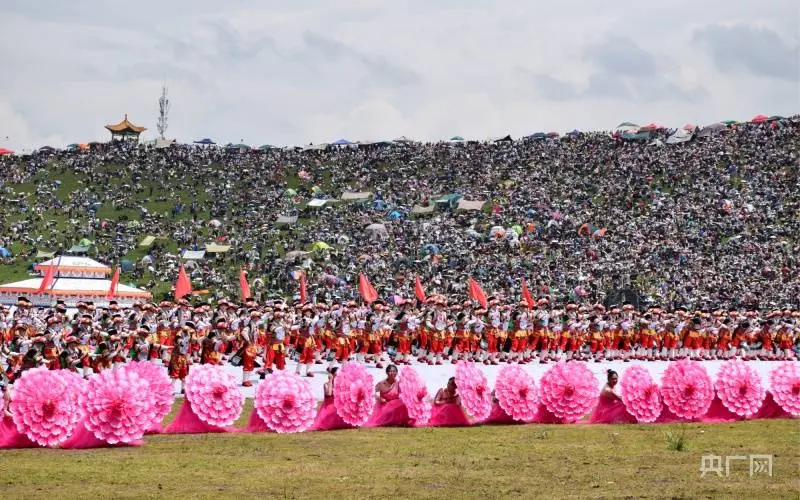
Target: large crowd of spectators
x=713 y=222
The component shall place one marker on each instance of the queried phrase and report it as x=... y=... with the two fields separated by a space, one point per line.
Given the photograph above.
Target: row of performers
x=431 y=336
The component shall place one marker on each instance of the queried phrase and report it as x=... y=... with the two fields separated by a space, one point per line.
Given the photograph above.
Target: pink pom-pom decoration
x=160 y=386
x=44 y=407
x=474 y=391
x=687 y=389
x=285 y=403
x=214 y=395
x=353 y=394
x=785 y=383
x=568 y=391
x=739 y=388
x=516 y=393
x=118 y=405
x=414 y=395
x=640 y=394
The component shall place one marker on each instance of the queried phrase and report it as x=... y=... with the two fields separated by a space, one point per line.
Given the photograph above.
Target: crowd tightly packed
x=260 y=337
x=707 y=224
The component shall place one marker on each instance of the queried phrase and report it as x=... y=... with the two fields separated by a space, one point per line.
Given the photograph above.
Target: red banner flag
x=303 y=289
x=526 y=295
x=477 y=293
x=47 y=281
x=183 y=286
x=244 y=287
x=112 y=289
x=419 y=291
x=366 y=289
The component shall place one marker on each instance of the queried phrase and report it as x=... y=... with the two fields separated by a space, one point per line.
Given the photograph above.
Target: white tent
x=216 y=248
x=352 y=196
x=680 y=135
x=475 y=205
x=193 y=254
x=419 y=209
x=286 y=220
x=377 y=232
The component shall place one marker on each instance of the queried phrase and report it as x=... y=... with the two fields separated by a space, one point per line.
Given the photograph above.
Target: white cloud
x=367 y=69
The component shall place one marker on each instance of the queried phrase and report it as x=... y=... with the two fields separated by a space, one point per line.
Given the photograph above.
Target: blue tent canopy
x=205 y=141
x=341 y=142
x=643 y=136
x=4 y=252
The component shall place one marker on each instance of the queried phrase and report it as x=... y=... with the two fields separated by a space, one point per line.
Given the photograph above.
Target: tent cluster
x=625 y=130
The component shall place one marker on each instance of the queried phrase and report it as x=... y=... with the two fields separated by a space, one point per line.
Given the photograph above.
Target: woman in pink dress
x=610 y=409
x=327 y=418
x=389 y=410
x=6 y=419
x=10 y=437
x=498 y=416
x=447 y=410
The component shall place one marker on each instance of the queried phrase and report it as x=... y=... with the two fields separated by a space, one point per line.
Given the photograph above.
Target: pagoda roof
x=125 y=126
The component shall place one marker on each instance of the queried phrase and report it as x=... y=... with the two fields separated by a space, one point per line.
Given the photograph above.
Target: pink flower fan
x=473 y=390
x=214 y=395
x=687 y=389
x=77 y=386
x=353 y=394
x=414 y=395
x=119 y=406
x=640 y=394
x=160 y=386
x=516 y=393
x=285 y=403
x=44 y=407
x=568 y=391
x=785 y=382
x=739 y=388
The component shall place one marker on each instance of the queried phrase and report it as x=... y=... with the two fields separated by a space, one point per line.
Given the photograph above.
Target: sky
x=300 y=72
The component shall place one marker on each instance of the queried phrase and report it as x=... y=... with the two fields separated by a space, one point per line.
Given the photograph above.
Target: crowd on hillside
x=710 y=223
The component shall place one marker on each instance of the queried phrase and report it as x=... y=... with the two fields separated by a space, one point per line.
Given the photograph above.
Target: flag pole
x=55 y=274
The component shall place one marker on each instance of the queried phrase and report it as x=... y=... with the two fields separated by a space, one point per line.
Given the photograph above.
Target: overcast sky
x=311 y=71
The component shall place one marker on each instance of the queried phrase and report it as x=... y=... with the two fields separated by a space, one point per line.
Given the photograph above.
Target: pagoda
x=125 y=130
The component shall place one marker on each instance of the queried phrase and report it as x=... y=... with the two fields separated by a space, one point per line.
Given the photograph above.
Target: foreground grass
x=579 y=461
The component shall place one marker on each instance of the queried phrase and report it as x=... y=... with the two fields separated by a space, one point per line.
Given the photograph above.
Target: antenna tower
x=163 y=112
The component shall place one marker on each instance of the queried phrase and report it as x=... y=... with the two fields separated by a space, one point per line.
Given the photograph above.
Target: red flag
x=366 y=289
x=526 y=295
x=303 y=289
x=47 y=281
x=419 y=292
x=183 y=286
x=112 y=290
x=244 y=287
x=477 y=293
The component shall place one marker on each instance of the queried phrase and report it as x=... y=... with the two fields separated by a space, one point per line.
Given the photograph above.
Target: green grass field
x=529 y=461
